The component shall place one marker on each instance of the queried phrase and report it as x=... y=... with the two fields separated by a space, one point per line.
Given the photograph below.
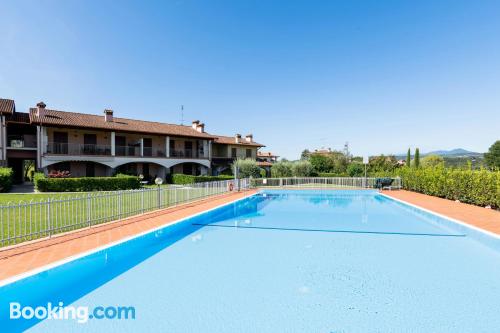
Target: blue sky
x=382 y=75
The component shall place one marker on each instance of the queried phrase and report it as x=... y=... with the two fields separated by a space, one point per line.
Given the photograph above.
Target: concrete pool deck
x=26 y=257
x=480 y=217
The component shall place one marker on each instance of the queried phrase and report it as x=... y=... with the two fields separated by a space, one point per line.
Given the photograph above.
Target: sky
x=381 y=75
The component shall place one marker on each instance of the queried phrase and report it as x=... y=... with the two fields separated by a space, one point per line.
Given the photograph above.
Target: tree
x=246 y=168
x=408 y=158
x=492 y=157
x=431 y=161
x=382 y=163
x=417 y=158
x=355 y=170
x=305 y=154
x=321 y=163
x=302 y=169
x=281 y=169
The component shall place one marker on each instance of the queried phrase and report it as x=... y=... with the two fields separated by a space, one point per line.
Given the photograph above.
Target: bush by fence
x=182 y=179
x=86 y=184
x=478 y=187
x=6 y=175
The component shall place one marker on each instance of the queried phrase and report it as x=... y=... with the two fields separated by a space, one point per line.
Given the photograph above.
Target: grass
x=69 y=211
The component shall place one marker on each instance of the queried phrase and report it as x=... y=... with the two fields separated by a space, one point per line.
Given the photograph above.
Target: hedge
x=86 y=184
x=6 y=175
x=179 y=178
x=477 y=187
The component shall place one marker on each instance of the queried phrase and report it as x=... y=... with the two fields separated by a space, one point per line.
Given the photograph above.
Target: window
x=249 y=153
x=233 y=152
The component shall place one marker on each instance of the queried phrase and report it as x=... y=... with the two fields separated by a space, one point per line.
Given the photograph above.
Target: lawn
x=29 y=216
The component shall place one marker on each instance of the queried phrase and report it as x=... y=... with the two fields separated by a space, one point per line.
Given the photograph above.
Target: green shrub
x=6 y=175
x=331 y=174
x=478 y=187
x=86 y=184
x=182 y=179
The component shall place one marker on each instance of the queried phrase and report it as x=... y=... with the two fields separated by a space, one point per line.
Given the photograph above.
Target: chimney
x=201 y=128
x=237 y=138
x=40 y=109
x=195 y=124
x=249 y=138
x=108 y=115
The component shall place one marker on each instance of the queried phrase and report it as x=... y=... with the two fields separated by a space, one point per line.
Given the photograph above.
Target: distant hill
x=458 y=152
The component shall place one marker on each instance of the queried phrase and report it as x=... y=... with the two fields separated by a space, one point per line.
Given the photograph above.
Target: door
x=173 y=153
x=147 y=146
x=60 y=145
x=89 y=144
x=188 y=149
x=120 y=145
x=90 y=169
x=145 y=170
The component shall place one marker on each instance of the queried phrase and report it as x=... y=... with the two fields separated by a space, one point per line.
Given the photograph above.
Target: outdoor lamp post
x=159 y=181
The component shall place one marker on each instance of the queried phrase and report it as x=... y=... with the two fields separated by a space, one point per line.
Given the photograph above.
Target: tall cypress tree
x=408 y=158
x=417 y=158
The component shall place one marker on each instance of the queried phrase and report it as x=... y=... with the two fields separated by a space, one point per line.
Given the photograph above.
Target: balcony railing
x=127 y=151
x=21 y=141
x=105 y=150
x=78 y=149
x=186 y=153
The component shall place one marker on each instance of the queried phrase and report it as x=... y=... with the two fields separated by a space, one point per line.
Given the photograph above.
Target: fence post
x=159 y=197
x=142 y=200
x=88 y=209
x=49 y=218
x=120 y=199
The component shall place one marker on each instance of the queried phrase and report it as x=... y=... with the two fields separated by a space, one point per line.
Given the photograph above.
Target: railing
x=21 y=141
x=187 y=153
x=325 y=182
x=127 y=151
x=26 y=221
x=78 y=149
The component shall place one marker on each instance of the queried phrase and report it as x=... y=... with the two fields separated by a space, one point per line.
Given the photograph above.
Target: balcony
x=78 y=149
x=120 y=151
x=127 y=150
x=184 y=153
x=21 y=141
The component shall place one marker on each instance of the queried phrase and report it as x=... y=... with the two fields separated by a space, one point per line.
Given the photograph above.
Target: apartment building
x=102 y=145
x=265 y=160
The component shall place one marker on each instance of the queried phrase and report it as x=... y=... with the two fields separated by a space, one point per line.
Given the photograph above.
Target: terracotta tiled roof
x=7 y=106
x=73 y=119
x=229 y=140
x=265 y=154
x=18 y=117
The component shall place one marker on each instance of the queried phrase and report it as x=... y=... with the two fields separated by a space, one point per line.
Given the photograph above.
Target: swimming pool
x=284 y=261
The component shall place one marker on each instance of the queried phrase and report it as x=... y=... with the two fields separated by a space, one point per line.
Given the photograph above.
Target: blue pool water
x=284 y=261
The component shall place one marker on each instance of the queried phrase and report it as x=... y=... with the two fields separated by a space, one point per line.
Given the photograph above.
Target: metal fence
x=324 y=182
x=24 y=221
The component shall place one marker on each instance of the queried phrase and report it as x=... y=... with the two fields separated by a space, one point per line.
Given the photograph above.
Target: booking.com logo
x=79 y=313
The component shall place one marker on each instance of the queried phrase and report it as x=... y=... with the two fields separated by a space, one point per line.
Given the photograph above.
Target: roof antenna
x=182 y=114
